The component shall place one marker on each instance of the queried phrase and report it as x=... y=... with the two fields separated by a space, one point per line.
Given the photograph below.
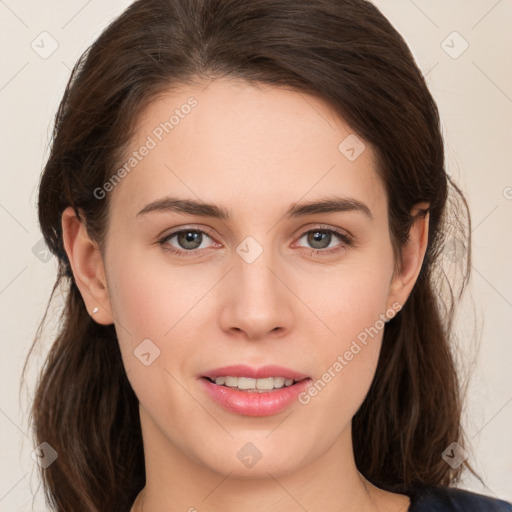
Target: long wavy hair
x=349 y=55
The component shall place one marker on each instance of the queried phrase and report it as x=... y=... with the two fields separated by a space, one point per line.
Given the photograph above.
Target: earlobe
x=413 y=254
x=87 y=265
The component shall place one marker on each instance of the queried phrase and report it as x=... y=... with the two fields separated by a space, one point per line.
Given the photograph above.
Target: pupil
x=189 y=237
x=317 y=237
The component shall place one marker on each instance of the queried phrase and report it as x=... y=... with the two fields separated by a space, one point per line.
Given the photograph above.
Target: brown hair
x=342 y=51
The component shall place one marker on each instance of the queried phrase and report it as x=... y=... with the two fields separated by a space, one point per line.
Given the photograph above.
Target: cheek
x=135 y=305
x=346 y=359
x=149 y=298
x=154 y=306
x=351 y=299
x=354 y=349
x=146 y=309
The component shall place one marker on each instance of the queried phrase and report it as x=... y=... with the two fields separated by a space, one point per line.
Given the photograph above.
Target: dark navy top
x=450 y=499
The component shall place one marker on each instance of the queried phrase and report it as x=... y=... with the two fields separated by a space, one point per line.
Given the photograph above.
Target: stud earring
x=95 y=310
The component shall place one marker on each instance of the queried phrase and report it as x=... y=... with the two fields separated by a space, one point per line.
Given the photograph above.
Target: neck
x=175 y=483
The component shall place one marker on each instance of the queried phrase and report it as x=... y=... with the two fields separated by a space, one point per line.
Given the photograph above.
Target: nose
x=257 y=303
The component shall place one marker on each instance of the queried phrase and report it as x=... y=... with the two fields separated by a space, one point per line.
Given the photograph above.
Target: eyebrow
x=196 y=207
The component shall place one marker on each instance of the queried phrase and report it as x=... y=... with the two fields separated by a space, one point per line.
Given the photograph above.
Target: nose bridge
x=254 y=280
x=257 y=303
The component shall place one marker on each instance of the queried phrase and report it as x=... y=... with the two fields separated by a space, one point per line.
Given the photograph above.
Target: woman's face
x=259 y=288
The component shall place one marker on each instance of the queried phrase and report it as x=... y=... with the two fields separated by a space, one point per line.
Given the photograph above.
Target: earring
x=95 y=310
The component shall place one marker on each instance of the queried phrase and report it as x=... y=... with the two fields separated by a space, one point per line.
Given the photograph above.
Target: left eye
x=320 y=239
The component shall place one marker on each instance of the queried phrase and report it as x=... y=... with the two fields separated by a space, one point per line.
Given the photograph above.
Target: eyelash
x=346 y=240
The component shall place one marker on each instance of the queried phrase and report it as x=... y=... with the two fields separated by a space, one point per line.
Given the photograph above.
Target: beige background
x=474 y=93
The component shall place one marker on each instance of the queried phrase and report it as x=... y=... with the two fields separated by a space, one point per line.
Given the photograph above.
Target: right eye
x=189 y=241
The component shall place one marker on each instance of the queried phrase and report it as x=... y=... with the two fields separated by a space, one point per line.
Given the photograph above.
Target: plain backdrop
x=463 y=47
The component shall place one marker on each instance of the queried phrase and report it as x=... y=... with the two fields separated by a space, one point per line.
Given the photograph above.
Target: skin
x=253 y=150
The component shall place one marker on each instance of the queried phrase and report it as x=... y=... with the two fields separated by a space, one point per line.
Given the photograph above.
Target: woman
x=249 y=204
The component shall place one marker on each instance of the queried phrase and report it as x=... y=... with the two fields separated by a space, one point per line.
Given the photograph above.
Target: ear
x=87 y=265
x=413 y=254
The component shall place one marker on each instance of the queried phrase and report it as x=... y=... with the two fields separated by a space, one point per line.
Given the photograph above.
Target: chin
x=246 y=459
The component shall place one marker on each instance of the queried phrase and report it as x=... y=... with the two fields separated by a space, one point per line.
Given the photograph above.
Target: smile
x=253 y=385
x=249 y=391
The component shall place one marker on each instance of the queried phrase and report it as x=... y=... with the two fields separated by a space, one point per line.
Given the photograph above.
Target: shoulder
x=450 y=499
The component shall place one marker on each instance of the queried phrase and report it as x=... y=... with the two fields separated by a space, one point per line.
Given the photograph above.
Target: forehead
x=248 y=146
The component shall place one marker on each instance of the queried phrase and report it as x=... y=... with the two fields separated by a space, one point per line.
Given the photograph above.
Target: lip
x=249 y=403
x=263 y=372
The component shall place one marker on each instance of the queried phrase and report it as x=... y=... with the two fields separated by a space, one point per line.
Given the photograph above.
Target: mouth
x=252 y=385
x=247 y=391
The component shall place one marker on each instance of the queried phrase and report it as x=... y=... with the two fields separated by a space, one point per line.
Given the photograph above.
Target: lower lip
x=253 y=403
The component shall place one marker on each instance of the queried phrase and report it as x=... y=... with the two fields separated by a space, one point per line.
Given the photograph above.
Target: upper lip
x=241 y=370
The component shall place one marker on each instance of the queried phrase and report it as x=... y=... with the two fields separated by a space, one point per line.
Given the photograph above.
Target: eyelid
x=323 y=227
x=190 y=227
x=162 y=240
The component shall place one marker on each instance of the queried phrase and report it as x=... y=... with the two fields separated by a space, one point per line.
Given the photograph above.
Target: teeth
x=279 y=382
x=231 y=382
x=249 y=384
x=246 y=383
